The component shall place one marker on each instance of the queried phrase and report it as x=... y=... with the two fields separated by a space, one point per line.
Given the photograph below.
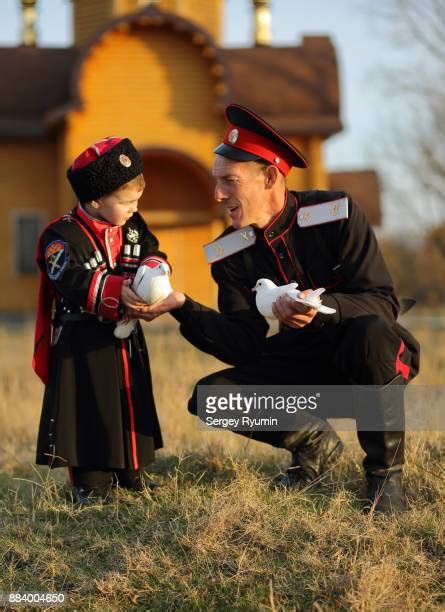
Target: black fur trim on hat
x=106 y=173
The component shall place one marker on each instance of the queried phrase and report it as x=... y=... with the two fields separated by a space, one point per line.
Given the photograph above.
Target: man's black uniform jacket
x=342 y=256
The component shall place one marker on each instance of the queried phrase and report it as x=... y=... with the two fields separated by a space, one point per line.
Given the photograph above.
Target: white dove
x=151 y=285
x=267 y=293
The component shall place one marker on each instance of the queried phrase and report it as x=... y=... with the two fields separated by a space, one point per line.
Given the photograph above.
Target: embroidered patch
x=56 y=256
x=132 y=235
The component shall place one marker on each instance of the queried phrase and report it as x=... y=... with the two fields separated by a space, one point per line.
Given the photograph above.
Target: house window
x=27 y=226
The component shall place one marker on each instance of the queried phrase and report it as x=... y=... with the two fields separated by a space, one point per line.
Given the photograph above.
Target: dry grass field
x=215 y=536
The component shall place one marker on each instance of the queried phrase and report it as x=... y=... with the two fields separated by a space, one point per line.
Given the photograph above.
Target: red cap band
x=253 y=143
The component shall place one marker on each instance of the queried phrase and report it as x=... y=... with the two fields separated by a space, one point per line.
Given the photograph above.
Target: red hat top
x=103 y=167
x=250 y=138
x=94 y=151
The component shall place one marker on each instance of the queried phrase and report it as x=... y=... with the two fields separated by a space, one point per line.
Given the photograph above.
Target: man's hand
x=292 y=313
x=173 y=301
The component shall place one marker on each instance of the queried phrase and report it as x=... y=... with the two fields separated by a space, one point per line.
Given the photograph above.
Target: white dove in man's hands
x=151 y=285
x=267 y=293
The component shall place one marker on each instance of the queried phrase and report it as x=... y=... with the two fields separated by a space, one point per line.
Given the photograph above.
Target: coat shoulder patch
x=326 y=212
x=230 y=243
x=56 y=258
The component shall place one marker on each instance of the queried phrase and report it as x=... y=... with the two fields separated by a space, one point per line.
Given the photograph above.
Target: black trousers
x=360 y=351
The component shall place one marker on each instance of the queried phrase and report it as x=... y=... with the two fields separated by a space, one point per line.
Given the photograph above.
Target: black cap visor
x=226 y=150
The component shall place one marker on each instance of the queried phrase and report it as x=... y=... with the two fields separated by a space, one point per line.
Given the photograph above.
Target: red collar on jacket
x=109 y=235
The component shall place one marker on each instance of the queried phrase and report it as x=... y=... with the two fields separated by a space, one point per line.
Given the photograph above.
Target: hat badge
x=233 y=136
x=125 y=160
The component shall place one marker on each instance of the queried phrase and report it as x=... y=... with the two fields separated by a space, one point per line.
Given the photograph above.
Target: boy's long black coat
x=87 y=418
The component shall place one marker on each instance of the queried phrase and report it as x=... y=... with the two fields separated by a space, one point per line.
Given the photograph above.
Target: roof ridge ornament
x=29 y=12
x=263 y=23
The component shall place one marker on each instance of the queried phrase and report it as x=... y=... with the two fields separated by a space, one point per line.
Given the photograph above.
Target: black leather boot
x=133 y=480
x=315 y=447
x=91 y=497
x=380 y=425
x=385 y=493
x=90 y=486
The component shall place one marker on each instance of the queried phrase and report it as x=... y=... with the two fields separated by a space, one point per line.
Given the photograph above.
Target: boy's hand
x=130 y=300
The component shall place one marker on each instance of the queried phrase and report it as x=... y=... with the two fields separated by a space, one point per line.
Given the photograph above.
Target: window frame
x=15 y=215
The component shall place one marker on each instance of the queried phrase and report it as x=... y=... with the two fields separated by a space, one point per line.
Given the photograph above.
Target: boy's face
x=117 y=207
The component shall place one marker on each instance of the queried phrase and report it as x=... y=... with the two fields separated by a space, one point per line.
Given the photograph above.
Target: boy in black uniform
x=318 y=239
x=99 y=417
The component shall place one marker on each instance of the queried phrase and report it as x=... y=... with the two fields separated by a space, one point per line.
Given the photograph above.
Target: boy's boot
x=135 y=480
x=90 y=486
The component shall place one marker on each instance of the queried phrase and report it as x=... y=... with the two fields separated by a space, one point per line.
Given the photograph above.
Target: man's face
x=241 y=189
x=117 y=207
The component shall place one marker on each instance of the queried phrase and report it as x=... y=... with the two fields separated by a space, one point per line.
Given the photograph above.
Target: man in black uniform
x=319 y=239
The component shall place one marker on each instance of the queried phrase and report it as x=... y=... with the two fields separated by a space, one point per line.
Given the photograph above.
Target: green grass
x=215 y=536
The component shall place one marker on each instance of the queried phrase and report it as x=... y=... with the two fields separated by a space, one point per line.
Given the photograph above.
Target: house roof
x=363 y=186
x=294 y=88
x=36 y=82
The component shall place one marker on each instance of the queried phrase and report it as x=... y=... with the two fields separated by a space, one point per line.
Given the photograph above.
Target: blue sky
x=361 y=49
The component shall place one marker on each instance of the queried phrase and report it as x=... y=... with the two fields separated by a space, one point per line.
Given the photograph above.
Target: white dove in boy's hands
x=151 y=284
x=267 y=293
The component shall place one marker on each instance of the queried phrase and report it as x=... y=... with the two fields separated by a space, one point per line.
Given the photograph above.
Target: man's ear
x=272 y=176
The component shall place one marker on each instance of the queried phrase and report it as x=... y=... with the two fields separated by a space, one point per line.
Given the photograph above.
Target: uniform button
x=51 y=420
x=271 y=234
x=51 y=435
x=281 y=256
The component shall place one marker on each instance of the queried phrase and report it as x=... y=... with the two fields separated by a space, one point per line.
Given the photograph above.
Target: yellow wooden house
x=155 y=72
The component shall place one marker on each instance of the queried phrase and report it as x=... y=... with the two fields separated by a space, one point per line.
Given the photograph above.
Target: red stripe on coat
x=91 y=298
x=402 y=368
x=127 y=383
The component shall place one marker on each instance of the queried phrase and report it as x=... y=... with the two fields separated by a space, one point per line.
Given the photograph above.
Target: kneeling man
x=318 y=239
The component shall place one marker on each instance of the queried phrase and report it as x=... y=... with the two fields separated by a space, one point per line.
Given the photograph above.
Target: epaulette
x=325 y=212
x=229 y=244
